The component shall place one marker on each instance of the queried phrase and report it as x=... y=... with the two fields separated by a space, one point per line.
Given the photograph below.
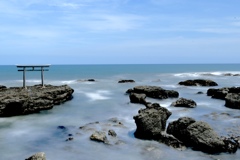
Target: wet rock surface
x=198 y=82
x=200 y=136
x=154 y=92
x=20 y=101
x=183 y=102
x=151 y=122
x=231 y=95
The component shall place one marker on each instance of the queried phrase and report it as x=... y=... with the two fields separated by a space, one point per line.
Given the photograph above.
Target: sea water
x=105 y=98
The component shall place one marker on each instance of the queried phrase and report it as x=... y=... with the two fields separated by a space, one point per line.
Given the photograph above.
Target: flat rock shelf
x=21 y=101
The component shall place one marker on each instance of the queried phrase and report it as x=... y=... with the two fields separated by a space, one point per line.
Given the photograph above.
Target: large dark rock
x=200 y=136
x=21 y=101
x=137 y=98
x=231 y=95
x=232 y=100
x=154 y=92
x=198 y=82
x=183 y=102
x=151 y=122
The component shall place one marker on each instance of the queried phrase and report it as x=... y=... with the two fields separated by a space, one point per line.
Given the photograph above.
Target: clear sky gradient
x=119 y=31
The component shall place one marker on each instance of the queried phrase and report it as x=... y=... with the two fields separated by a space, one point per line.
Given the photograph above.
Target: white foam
x=98 y=95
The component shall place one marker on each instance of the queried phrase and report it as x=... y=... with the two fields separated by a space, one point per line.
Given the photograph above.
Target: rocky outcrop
x=154 y=92
x=126 y=81
x=231 y=95
x=200 y=136
x=183 y=102
x=151 y=122
x=20 y=101
x=37 y=156
x=232 y=100
x=137 y=98
x=198 y=82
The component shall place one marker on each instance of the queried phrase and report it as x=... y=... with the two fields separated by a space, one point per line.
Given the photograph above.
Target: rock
x=126 y=81
x=183 y=102
x=137 y=98
x=19 y=101
x=99 y=136
x=200 y=92
x=218 y=93
x=86 y=80
x=152 y=105
x=112 y=133
x=37 y=156
x=171 y=141
x=232 y=100
x=2 y=87
x=231 y=95
x=200 y=136
x=154 y=92
x=198 y=82
x=151 y=122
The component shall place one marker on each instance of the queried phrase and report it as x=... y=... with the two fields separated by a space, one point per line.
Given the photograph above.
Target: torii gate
x=32 y=68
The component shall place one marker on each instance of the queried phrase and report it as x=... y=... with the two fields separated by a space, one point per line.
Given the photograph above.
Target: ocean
x=105 y=98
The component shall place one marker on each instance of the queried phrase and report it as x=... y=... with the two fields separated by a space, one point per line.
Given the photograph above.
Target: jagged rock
x=170 y=141
x=126 y=81
x=20 y=101
x=183 y=102
x=151 y=122
x=200 y=136
x=37 y=156
x=218 y=93
x=152 y=105
x=137 y=98
x=112 y=133
x=154 y=92
x=232 y=100
x=198 y=82
x=231 y=95
x=99 y=136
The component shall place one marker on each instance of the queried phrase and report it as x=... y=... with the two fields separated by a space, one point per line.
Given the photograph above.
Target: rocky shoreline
x=151 y=121
x=16 y=101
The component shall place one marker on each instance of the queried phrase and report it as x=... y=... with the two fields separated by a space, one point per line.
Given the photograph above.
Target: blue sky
x=119 y=31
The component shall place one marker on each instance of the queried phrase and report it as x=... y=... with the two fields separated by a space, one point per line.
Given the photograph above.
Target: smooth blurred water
x=22 y=136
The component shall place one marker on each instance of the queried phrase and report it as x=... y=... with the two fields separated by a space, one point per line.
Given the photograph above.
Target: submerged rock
x=37 y=156
x=183 y=102
x=198 y=82
x=200 y=136
x=99 y=136
x=126 y=81
x=20 y=101
x=154 y=92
